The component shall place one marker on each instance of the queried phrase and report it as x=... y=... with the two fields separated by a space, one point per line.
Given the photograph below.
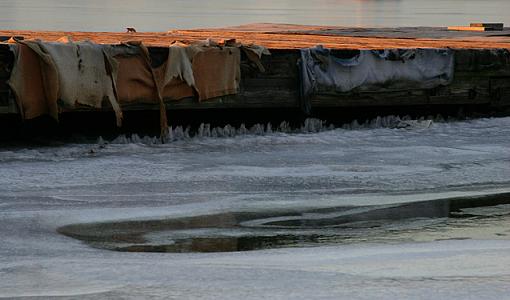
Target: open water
x=162 y=15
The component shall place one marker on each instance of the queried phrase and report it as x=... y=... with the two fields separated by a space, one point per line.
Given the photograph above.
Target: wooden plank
x=8 y=110
x=395 y=98
x=280 y=64
x=274 y=84
x=466 y=28
x=337 y=38
x=491 y=26
x=482 y=62
x=500 y=91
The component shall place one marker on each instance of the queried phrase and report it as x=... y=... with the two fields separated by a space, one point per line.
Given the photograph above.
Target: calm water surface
x=161 y=15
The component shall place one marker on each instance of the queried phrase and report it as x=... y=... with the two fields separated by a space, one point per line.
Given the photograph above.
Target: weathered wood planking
x=492 y=26
x=468 y=28
x=278 y=36
x=482 y=76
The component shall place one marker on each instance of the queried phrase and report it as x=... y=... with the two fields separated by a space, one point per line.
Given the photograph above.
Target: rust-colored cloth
x=28 y=82
x=217 y=72
x=174 y=90
x=44 y=73
x=136 y=82
x=74 y=73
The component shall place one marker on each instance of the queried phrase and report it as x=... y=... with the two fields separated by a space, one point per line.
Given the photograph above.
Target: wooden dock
x=482 y=65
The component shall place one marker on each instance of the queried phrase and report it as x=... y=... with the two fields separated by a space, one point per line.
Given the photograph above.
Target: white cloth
x=85 y=74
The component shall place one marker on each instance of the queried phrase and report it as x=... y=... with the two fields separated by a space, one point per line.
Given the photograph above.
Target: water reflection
x=459 y=218
x=161 y=15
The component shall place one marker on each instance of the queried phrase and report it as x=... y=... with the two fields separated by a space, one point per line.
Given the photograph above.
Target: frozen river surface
x=44 y=188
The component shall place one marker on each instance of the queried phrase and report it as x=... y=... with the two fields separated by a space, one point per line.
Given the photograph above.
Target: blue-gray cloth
x=323 y=73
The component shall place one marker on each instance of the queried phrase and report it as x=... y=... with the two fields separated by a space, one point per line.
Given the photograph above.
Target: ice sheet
x=44 y=188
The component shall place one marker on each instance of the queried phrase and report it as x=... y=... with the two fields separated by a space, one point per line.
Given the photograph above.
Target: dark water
x=161 y=15
x=442 y=219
